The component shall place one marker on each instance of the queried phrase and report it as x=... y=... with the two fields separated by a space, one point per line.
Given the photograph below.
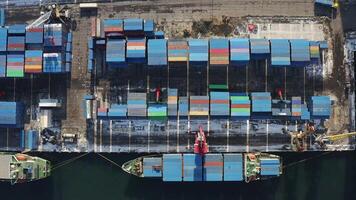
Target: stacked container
x=240 y=105
x=157 y=52
x=90 y=54
x=15 y=65
x=183 y=106
x=68 y=65
x=149 y=28
x=300 y=50
x=172 y=102
x=17 y=29
x=233 y=167
x=137 y=104
x=239 y=51
x=259 y=47
x=280 y=52
x=296 y=106
x=3 y=39
x=53 y=35
x=219 y=103
x=152 y=167
x=198 y=50
x=159 y=35
x=136 y=49
x=314 y=50
x=323 y=44
x=32 y=140
x=16 y=43
x=133 y=26
x=34 y=35
x=261 y=102
x=321 y=106
x=305 y=112
x=199 y=106
x=117 y=111
x=219 y=52
x=2 y=65
x=172 y=170
x=213 y=167
x=2 y=17
x=33 y=61
x=53 y=63
x=192 y=167
x=11 y=114
x=177 y=51
x=102 y=112
x=157 y=110
x=115 y=51
x=270 y=167
x=113 y=27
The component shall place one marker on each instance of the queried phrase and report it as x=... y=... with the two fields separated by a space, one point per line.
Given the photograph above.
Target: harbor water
x=316 y=176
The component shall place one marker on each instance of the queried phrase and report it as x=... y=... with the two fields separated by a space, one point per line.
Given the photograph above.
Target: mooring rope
x=307 y=159
x=66 y=162
x=111 y=161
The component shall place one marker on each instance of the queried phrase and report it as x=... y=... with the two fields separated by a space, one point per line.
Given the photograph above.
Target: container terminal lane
x=107 y=100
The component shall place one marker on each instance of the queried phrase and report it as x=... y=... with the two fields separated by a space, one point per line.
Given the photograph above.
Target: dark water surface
x=326 y=176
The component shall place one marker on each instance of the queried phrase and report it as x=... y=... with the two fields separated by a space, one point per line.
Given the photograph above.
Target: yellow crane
x=322 y=139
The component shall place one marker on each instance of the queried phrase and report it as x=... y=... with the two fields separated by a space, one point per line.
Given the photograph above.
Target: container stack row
x=219 y=103
x=137 y=104
x=16 y=43
x=219 y=52
x=198 y=50
x=321 y=106
x=15 y=65
x=117 y=111
x=260 y=46
x=280 y=52
x=300 y=51
x=192 y=167
x=33 y=61
x=157 y=52
x=199 y=106
x=53 y=63
x=261 y=102
x=177 y=51
x=314 y=50
x=157 y=110
x=115 y=51
x=133 y=26
x=172 y=102
x=11 y=114
x=113 y=27
x=183 y=106
x=34 y=35
x=90 y=54
x=136 y=50
x=68 y=50
x=54 y=36
x=239 y=51
x=240 y=105
x=296 y=106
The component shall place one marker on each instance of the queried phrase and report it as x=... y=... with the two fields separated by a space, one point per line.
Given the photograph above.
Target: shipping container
x=321 y=106
x=115 y=50
x=157 y=52
x=233 y=167
x=280 y=52
x=117 y=111
x=219 y=52
x=2 y=65
x=260 y=48
x=113 y=26
x=219 y=103
x=177 y=51
x=34 y=35
x=300 y=51
x=53 y=63
x=32 y=140
x=136 y=50
x=133 y=26
x=157 y=110
x=172 y=167
x=11 y=114
x=198 y=50
x=152 y=167
x=213 y=167
x=239 y=51
x=296 y=106
x=172 y=102
x=183 y=107
x=270 y=167
x=16 y=43
x=3 y=39
x=192 y=167
x=137 y=104
x=261 y=102
x=281 y=107
x=54 y=35
x=2 y=17
x=15 y=65
x=314 y=50
x=240 y=105
x=17 y=29
x=199 y=106
x=33 y=61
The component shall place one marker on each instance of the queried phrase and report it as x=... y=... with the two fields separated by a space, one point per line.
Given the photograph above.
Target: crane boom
x=41 y=20
x=339 y=136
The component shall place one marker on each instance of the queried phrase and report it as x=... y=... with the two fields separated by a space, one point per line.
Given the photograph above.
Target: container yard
x=220 y=80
